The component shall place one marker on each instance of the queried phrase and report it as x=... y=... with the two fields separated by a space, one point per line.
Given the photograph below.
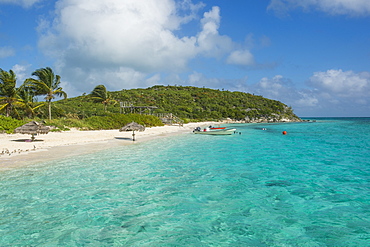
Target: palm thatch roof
x=133 y=126
x=32 y=128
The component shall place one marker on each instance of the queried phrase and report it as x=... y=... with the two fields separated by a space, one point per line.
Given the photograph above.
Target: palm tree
x=100 y=94
x=47 y=84
x=27 y=101
x=8 y=91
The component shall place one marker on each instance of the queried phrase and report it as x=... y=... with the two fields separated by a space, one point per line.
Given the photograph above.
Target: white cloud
x=23 y=3
x=195 y=78
x=153 y=80
x=137 y=34
x=342 y=83
x=114 y=79
x=241 y=57
x=277 y=88
x=22 y=72
x=333 y=7
x=209 y=41
x=6 y=52
x=133 y=33
x=88 y=36
x=306 y=100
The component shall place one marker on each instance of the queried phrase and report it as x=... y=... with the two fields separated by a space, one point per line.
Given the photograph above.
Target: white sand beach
x=17 y=149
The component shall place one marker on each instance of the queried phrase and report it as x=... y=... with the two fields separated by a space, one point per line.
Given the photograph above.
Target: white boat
x=208 y=131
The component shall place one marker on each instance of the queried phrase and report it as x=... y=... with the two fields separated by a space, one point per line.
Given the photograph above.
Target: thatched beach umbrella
x=133 y=126
x=32 y=128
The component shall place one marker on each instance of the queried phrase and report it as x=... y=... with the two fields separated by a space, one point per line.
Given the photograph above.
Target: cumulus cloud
x=342 y=83
x=333 y=7
x=88 y=36
x=276 y=88
x=283 y=89
x=23 y=3
x=138 y=34
x=306 y=99
x=209 y=41
x=6 y=52
x=241 y=57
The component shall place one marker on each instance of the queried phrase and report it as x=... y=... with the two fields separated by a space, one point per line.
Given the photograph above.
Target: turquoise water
x=310 y=187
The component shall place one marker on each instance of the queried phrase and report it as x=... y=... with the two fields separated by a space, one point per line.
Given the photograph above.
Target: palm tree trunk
x=49 y=105
x=8 y=109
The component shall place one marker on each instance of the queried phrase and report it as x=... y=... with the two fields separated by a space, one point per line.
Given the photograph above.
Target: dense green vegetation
x=8 y=124
x=187 y=103
x=111 y=110
x=109 y=121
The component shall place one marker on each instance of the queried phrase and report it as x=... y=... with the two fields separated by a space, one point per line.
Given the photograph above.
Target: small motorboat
x=214 y=131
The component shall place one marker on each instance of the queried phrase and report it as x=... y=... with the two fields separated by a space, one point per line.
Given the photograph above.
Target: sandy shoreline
x=16 y=150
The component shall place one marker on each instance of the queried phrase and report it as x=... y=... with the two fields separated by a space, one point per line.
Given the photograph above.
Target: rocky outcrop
x=273 y=118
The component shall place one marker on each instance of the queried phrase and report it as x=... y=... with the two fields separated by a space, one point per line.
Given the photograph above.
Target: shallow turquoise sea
x=310 y=187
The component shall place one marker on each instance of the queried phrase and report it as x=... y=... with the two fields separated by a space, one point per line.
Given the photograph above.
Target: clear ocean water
x=310 y=187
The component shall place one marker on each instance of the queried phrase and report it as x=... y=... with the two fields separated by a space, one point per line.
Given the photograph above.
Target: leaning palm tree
x=100 y=94
x=47 y=84
x=8 y=91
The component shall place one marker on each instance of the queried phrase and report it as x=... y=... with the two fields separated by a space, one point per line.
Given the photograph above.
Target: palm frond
x=3 y=106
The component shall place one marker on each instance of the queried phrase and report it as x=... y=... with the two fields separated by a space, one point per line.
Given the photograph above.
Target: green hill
x=185 y=102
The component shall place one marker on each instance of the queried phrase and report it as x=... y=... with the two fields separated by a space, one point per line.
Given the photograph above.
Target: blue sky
x=311 y=55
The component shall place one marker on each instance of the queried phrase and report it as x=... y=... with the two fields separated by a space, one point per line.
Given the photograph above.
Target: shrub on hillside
x=117 y=121
x=8 y=124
